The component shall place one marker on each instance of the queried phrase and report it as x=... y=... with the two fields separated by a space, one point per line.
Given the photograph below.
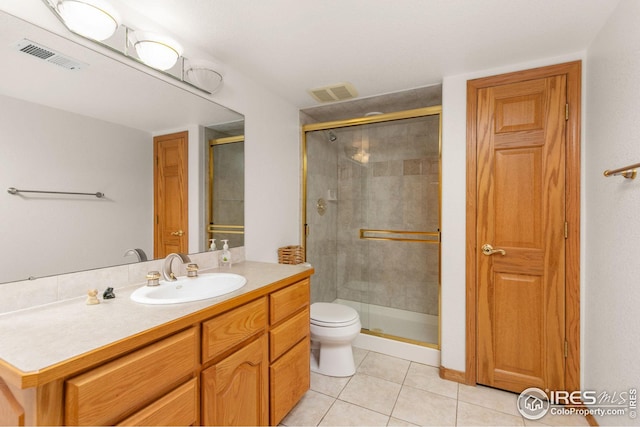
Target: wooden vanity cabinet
x=262 y=378
x=248 y=365
x=289 y=342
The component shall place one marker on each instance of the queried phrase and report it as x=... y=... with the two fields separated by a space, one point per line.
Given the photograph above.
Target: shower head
x=332 y=136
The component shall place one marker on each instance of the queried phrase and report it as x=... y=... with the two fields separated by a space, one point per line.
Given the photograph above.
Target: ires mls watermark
x=534 y=403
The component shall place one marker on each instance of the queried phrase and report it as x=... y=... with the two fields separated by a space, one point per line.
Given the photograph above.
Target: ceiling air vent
x=49 y=55
x=337 y=92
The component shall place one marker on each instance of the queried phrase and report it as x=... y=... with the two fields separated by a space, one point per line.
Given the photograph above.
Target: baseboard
x=452 y=375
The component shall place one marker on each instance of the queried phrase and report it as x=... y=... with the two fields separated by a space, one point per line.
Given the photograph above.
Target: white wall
x=454 y=116
x=612 y=275
x=68 y=233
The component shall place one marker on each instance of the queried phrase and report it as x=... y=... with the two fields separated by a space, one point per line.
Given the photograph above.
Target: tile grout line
x=402 y=386
x=327 y=411
x=457 y=404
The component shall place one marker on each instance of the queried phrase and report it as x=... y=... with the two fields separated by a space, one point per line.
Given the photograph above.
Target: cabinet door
x=290 y=380
x=235 y=390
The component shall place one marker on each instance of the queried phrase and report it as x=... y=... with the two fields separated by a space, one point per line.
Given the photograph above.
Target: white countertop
x=39 y=337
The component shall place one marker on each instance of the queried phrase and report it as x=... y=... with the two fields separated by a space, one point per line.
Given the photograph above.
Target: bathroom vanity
x=239 y=359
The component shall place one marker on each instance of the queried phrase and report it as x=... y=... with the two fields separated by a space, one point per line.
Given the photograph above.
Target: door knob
x=487 y=249
x=178 y=233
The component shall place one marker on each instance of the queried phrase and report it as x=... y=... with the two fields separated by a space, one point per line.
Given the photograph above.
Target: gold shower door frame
x=213 y=228
x=379 y=118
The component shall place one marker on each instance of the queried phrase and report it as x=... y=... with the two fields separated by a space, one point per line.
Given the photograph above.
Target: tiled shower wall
x=321 y=244
x=397 y=189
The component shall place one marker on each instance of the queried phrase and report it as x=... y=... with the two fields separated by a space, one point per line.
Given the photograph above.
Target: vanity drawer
x=287 y=301
x=103 y=395
x=289 y=380
x=287 y=334
x=178 y=408
x=229 y=329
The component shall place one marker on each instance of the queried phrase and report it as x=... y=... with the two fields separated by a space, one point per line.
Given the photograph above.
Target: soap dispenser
x=212 y=245
x=225 y=255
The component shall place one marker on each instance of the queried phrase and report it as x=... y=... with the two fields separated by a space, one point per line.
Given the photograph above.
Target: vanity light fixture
x=99 y=22
x=156 y=50
x=203 y=75
x=94 y=19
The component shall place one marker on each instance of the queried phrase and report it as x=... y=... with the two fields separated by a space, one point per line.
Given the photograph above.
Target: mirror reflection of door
x=226 y=191
x=171 y=223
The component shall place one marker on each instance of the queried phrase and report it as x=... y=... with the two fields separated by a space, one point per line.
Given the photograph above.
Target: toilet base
x=334 y=360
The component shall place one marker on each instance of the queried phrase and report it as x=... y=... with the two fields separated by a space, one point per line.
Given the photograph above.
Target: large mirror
x=81 y=121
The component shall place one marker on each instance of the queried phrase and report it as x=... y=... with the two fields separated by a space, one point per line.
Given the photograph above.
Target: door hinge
x=566 y=230
x=566 y=349
x=566 y=111
x=306 y=229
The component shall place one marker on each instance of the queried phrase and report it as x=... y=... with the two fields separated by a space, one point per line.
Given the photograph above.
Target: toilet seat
x=331 y=315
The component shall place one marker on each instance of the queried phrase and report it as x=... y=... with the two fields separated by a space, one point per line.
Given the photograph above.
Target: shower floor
x=399 y=323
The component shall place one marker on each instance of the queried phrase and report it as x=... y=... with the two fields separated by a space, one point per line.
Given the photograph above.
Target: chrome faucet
x=139 y=253
x=166 y=268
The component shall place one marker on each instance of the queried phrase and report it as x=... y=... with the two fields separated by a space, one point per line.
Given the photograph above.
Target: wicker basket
x=291 y=255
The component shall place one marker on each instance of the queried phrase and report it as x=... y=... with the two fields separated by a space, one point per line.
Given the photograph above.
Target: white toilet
x=333 y=329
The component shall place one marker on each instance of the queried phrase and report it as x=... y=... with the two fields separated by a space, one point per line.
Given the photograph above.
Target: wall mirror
x=76 y=120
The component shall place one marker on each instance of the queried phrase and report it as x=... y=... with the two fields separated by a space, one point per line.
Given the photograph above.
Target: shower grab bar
x=13 y=190
x=627 y=171
x=435 y=234
x=219 y=228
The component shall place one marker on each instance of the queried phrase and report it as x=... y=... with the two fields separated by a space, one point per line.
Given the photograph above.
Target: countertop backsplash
x=45 y=290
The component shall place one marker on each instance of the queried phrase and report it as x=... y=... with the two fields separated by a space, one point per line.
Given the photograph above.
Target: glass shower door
x=373 y=215
x=398 y=198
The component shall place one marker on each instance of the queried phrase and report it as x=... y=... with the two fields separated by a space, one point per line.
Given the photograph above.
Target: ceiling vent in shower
x=49 y=55
x=337 y=92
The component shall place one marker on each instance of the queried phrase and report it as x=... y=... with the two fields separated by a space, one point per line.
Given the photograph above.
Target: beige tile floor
x=387 y=391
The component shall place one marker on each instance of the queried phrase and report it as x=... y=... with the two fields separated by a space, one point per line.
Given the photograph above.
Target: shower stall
x=371 y=216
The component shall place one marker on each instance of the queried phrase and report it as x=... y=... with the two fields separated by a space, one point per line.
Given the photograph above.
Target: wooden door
x=171 y=194
x=235 y=390
x=520 y=234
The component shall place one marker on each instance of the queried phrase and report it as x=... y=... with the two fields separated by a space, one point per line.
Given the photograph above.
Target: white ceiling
x=380 y=46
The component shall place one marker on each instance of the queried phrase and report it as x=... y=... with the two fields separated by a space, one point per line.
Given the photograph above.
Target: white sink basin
x=188 y=289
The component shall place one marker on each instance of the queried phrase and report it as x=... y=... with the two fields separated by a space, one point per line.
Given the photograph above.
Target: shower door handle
x=487 y=249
